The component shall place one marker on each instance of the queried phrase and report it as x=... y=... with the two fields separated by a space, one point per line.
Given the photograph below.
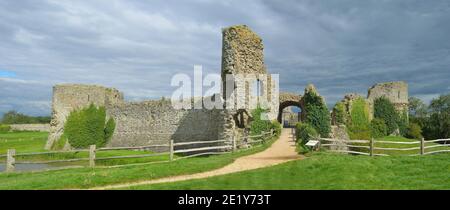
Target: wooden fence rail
x=92 y=151
x=372 y=148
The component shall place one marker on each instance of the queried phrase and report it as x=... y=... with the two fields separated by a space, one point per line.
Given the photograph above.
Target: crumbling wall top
x=242 y=51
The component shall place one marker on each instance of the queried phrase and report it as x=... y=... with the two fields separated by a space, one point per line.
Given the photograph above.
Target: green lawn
x=26 y=142
x=23 y=141
x=333 y=171
x=87 y=177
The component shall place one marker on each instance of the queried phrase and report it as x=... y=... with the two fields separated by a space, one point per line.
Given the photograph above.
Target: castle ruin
x=155 y=122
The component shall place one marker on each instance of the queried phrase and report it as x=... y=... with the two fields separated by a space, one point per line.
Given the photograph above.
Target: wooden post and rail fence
x=373 y=150
x=194 y=151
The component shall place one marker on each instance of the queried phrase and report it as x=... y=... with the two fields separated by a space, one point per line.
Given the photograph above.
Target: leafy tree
x=276 y=126
x=403 y=123
x=414 y=131
x=378 y=128
x=88 y=126
x=438 y=124
x=259 y=125
x=384 y=109
x=340 y=114
x=13 y=117
x=417 y=108
x=318 y=114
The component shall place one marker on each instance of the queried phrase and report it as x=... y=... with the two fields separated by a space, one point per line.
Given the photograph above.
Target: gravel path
x=281 y=151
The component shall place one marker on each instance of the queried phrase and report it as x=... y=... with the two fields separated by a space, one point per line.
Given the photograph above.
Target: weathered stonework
x=155 y=122
x=290 y=99
x=242 y=55
x=396 y=92
x=69 y=97
x=339 y=132
x=30 y=127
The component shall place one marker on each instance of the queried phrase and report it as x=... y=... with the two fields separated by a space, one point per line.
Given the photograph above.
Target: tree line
x=433 y=119
x=14 y=117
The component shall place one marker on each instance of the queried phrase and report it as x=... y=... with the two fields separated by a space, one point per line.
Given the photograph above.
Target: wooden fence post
x=92 y=156
x=422 y=146
x=320 y=144
x=371 y=146
x=10 y=160
x=171 y=150
x=233 y=139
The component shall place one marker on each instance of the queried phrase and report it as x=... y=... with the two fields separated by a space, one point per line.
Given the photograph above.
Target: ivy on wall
x=88 y=126
x=318 y=115
x=358 y=122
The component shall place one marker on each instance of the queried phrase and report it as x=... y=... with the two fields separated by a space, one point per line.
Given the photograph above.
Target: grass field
x=26 y=142
x=23 y=141
x=333 y=171
x=88 y=177
x=320 y=170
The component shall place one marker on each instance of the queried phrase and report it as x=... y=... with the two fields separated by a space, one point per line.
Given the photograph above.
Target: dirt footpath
x=281 y=151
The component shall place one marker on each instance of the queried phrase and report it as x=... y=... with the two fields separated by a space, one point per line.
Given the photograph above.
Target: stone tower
x=396 y=92
x=242 y=54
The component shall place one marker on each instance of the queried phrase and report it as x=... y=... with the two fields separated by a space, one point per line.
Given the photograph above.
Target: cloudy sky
x=136 y=46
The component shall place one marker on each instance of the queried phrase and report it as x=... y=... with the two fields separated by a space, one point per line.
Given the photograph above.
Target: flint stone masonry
x=242 y=54
x=69 y=97
x=156 y=122
x=339 y=132
x=30 y=127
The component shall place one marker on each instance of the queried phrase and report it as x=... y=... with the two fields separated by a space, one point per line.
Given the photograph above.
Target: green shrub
x=88 y=126
x=358 y=124
x=384 y=109
x=318 y=114
x=304 y=132
x=276 y=126
x=403 y=123
x=4 y=128
x=340 y=114
x=258 y=125
x=378 y=128
x=414 y=131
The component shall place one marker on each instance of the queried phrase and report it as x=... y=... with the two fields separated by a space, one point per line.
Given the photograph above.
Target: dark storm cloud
x=136 y=46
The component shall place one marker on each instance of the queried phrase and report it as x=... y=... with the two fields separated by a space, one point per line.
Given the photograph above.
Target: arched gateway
x=290 y=99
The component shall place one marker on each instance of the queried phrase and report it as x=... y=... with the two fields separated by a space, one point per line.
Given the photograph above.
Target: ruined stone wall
x=137 y=123
x=242 y=53
x=69 y=97
x=156 y=122
x=396 y=92
x=30 y=127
